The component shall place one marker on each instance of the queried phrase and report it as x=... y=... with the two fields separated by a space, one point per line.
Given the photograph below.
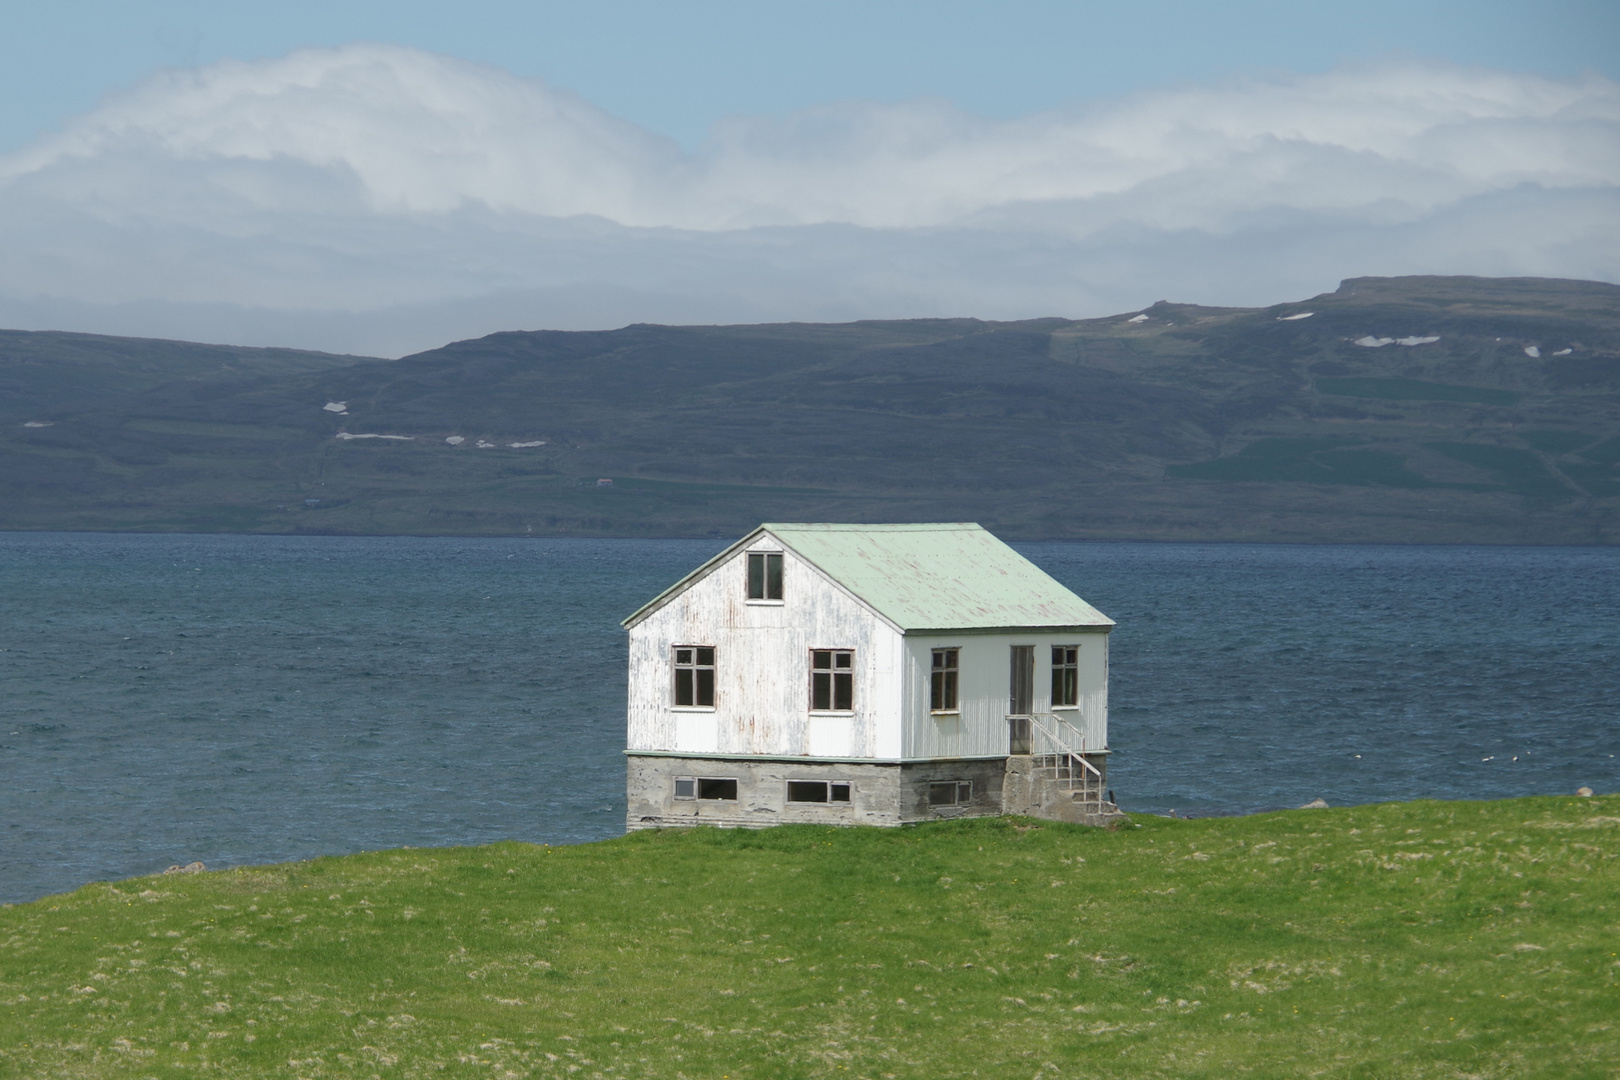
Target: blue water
x=253 y=699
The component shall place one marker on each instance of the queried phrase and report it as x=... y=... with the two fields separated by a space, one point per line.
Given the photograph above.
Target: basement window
x=950 y=793
x=764 y=575
x=1065 y=676
x=706 y=787
x=694 y=676
x=712 y=788
x=832 y=680
x=942 y=687
x=818 y=791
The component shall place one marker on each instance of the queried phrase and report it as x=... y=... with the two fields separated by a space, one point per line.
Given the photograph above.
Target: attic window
x=950 y=793
x=764 y=575
x=832 y=680
x=818 y=791
x=1065 y=676
x=694 y=676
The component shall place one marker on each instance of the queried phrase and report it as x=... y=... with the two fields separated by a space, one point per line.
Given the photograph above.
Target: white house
x=873 y=674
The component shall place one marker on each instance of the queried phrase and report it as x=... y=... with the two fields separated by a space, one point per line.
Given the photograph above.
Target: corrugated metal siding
x=762 y=668
x=980 y=727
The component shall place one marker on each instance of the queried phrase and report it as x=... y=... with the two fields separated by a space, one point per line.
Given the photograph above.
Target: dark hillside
x=1394 y=409
x=42 y=371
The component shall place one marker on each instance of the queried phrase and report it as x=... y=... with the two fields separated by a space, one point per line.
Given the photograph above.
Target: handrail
x=1063 y=747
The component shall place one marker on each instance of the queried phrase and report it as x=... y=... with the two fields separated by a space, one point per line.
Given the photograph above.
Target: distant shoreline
x=1012 y=538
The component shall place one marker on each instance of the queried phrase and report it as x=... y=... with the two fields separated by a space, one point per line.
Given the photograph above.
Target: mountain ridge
x=1418 y=409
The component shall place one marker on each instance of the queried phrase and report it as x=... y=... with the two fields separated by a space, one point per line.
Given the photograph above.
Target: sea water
x=240 y=699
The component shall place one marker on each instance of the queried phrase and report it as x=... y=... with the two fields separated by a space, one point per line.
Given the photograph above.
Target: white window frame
x=956 y=709
x=676 y=667
x=832 y=689
x=765 y=557
x=1076 y=669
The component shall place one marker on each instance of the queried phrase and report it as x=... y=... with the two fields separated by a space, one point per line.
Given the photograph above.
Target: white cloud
x=381 y=198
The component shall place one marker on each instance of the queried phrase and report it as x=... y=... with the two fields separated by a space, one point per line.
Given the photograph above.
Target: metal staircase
x=1058 y=750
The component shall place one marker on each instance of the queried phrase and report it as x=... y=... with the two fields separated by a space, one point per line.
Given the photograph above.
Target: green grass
x=1413 y=390
x=1313 y=460
x=1403 y=940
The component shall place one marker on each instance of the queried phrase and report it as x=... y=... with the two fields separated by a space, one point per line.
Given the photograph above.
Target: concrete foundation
x=1026 y=792
x=756 y=792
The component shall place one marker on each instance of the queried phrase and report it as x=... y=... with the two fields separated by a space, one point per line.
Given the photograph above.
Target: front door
x=1020 y=698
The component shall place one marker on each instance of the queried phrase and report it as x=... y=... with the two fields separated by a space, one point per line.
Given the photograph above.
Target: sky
x=384 y=177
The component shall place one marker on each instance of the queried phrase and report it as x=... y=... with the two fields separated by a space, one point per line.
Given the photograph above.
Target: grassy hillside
x=45 y=372
x=1399 y=409
x=1401 y=940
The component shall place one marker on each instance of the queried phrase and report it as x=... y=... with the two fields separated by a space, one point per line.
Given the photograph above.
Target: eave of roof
x=690 y=579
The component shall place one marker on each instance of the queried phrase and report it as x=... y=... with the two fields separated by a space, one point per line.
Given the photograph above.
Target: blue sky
x=382 y=177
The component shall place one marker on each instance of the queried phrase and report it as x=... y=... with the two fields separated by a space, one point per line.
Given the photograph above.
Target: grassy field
x=1402 y=940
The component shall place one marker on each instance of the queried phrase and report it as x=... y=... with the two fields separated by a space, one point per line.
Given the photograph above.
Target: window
x=942 y=690
x=711 y=788
x=818 y=791
x=764 y=576
x=694 y=676
x=1065 y=675
x=832 y=680
x=950 y=793
x=706 y=787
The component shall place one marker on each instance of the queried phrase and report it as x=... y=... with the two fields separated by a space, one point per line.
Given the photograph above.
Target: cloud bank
x=381 y=199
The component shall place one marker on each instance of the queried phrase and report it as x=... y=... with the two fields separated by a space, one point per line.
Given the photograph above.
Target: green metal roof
x=952 y=576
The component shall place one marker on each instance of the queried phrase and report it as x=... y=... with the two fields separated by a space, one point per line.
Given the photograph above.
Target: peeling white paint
x=762 y=674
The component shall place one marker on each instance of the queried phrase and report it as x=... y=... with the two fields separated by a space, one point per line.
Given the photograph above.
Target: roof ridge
x=899 y=526
x=965 y=578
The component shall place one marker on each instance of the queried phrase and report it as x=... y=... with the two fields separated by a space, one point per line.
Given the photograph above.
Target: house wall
x=979 y=727
x=762 y=674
